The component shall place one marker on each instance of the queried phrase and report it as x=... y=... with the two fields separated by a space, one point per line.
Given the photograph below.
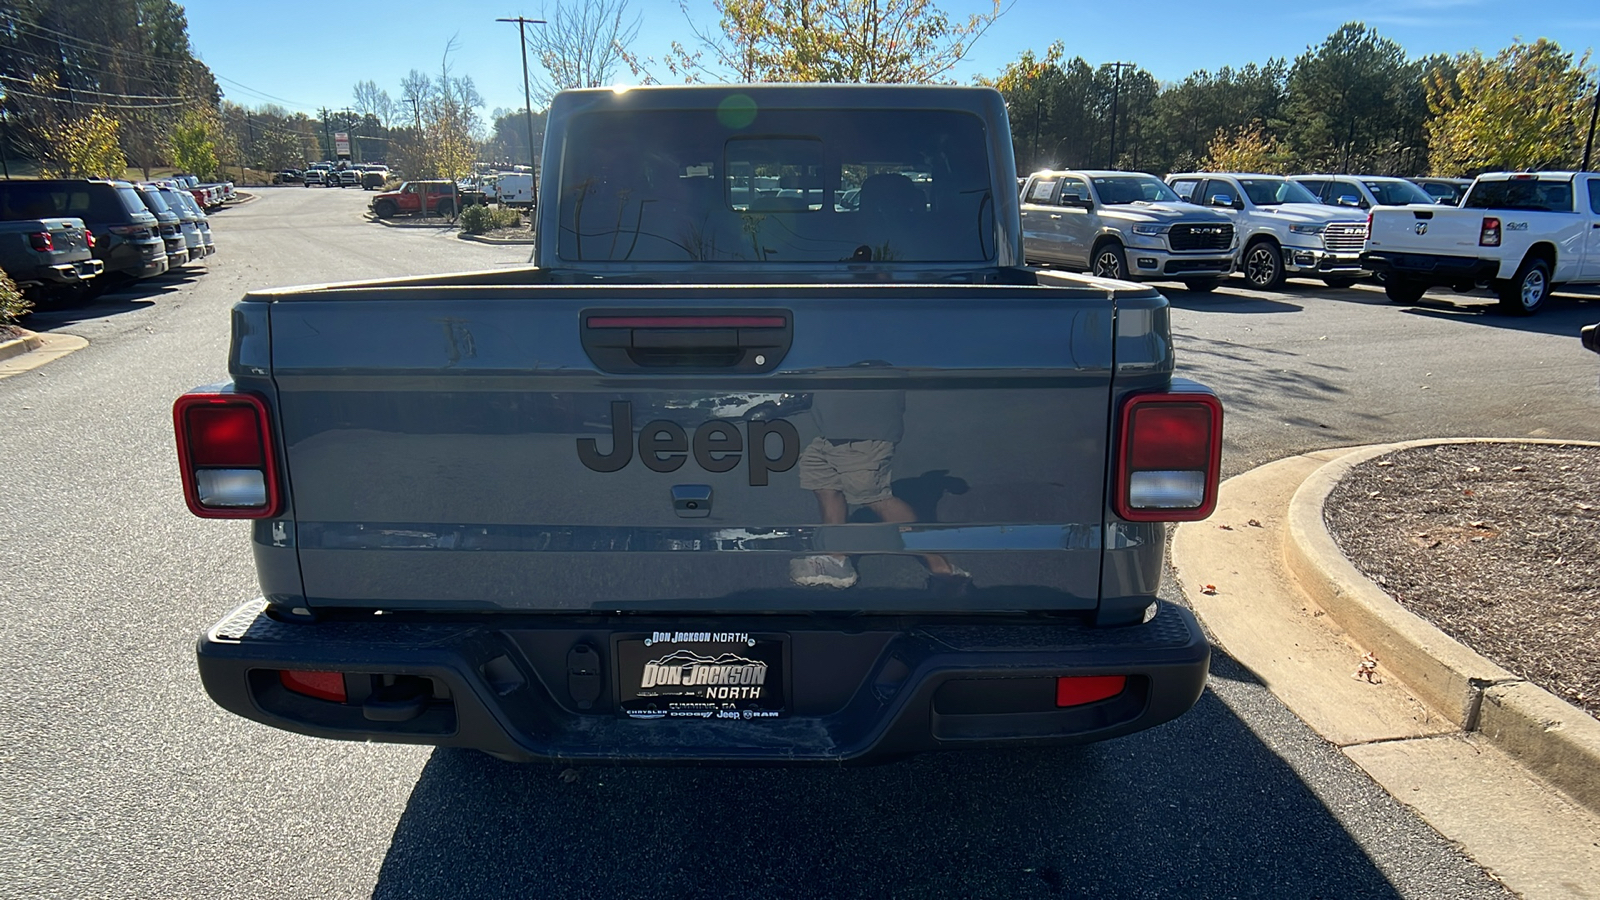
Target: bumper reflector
x=1076 y=690
x=322 y=685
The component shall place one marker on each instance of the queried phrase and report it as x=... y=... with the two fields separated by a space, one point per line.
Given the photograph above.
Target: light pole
x=1116 y=84
x=527 y=99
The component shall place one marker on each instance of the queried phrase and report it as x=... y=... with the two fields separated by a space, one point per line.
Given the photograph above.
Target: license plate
x=701 y=675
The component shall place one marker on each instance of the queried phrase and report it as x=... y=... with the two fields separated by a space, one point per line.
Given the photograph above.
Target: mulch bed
x=10 y=332
x=1496 y=544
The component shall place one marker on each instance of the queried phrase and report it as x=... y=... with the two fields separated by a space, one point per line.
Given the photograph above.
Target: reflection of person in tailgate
x=852 y=464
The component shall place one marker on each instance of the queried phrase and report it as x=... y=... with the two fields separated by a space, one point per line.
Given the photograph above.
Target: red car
x=440 y=196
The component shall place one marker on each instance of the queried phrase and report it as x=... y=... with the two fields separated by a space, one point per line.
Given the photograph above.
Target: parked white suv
x=1125 y=225
x=1284 y=230
x=1364 y=191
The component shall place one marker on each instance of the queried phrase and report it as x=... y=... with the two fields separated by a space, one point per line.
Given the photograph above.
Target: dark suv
x=127 y=234
x=171 y=224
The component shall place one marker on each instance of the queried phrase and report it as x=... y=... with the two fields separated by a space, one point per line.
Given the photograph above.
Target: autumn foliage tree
x=1247 y=148
x=1523 y=109
x=85 y=146
x=194 y=144
x=869 y=41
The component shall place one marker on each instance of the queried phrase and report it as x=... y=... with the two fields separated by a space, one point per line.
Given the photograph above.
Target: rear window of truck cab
x=1528 y=194
x=784 y=186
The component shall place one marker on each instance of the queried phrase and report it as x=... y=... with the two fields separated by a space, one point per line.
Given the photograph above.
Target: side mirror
x=1083 y=203
x=1349 y=200
x=1222 y=200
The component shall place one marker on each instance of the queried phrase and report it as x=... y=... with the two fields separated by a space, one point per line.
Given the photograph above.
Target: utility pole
x=1588 y=145
x=327 y=137
x=1116 y=85
x=527 y=99
x=1038 y=114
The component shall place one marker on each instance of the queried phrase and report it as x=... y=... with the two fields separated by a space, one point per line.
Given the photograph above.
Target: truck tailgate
x=1442 y=230
x=461 y=447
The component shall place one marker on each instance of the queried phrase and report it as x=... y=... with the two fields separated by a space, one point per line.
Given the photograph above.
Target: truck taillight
x=41 y=241
x=1169 y=457
x=225 y=456
x=88 y=238
x=1489 y=236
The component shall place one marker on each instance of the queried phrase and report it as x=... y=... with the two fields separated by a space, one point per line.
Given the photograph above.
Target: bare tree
x=416 y=91
x=581 y=45
x=374 y=101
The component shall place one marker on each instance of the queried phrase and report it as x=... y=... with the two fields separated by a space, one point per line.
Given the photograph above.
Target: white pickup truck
x=1521 y=234
x=1285 y=230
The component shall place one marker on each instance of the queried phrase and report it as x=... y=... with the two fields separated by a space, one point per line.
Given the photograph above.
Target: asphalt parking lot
x=122 y=779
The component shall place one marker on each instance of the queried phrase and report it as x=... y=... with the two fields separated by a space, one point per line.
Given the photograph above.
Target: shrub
x=475 y=219
x=12 y=304
x=504 y=217
x=479 y=219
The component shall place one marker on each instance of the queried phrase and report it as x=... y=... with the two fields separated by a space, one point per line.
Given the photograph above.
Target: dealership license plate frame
x=632 y=652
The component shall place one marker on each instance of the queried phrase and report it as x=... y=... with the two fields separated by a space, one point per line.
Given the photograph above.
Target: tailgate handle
x=1422 y=213
x=687 y=342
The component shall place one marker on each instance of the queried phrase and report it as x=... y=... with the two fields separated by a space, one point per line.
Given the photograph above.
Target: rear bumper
x=859 y=690
x=1431 y=269
x=69 y=273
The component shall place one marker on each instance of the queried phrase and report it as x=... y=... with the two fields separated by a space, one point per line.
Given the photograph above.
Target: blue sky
x=307 y=55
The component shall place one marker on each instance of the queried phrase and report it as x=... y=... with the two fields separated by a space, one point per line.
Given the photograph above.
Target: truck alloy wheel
x=1525 y=294
x=1263 y=266
x=1110 y=262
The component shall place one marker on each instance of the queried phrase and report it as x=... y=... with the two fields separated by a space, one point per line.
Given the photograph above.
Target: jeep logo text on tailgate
x=717 y=446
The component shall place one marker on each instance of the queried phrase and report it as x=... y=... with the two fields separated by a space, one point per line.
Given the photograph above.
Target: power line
x=78 y=90
x=98 y=103
x=108 y=48
x=250 y=90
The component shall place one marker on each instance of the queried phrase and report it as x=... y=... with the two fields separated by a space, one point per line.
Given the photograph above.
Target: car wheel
x=308 y=184
x=1526 y=293
x=1338 y=282
x=384 y=209
x=1402 y=291
x=1110 y=262
x=446 y=209
x=1263 y=266
x=1201 y=285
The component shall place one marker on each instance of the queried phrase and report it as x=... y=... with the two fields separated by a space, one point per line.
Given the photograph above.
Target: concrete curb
x=485 y=239
x=414 y=223
x=35 y=350
x=19 y=346
x=1551 y=737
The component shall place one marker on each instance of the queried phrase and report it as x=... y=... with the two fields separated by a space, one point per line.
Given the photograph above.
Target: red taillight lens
x=1076 y=690
x=1489 y=236
x=322 y=685
x=89 y=237
x=1169 y=458
x=225 y=456
x=41 y=241
x=224 y=435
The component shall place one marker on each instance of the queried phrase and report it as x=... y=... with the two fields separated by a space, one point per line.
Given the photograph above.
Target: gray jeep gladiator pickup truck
x=740 y=471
